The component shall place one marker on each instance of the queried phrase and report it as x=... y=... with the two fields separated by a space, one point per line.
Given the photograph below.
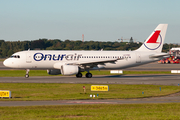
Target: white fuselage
x=46 y=59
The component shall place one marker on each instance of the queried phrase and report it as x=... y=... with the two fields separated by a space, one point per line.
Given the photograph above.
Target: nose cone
x=12 y=63
x=8 y=63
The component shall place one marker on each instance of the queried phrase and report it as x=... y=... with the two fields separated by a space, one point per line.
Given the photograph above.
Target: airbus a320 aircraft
x=75 y=62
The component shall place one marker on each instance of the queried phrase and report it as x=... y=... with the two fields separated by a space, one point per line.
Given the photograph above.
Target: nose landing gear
x=27 y=73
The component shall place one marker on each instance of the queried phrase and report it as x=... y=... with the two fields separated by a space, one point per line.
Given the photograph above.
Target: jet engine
x=69 y=69
x=53 y=71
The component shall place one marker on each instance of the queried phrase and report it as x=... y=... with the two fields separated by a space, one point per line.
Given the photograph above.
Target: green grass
x=2 y=59
x=54 y=91
x=168 y=111
x=21 y=73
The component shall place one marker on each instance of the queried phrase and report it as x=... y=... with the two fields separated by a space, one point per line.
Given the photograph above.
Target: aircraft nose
x=7 y=63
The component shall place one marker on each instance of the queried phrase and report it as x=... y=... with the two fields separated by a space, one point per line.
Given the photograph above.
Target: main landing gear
x=88 y=75
x=27 y=73
x=79 y=75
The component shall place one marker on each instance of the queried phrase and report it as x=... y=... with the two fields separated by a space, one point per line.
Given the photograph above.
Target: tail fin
x=155 y=41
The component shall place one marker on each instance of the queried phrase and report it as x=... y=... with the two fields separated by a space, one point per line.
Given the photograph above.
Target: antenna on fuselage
x=29 y=49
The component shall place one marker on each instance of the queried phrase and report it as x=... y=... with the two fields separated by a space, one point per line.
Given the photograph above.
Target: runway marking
x=84 y=102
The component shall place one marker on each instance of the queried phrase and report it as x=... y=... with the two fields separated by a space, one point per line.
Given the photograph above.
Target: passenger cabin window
x=15 y=56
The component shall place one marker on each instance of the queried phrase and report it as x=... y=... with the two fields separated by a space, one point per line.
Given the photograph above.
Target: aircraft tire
x=26 y=76
x=88 y=75
x=79 y=75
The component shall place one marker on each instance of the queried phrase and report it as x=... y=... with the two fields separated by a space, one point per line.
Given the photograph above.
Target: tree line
x=7 y=48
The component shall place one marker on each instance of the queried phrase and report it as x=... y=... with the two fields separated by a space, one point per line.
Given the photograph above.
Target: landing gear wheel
x=26 y=76
x=88 y=75
x=79 y=75
x=27 y=73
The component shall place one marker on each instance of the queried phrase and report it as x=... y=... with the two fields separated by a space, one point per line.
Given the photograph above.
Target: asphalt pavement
x=163 y=79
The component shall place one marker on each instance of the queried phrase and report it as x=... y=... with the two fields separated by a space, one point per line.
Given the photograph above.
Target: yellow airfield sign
x=99 y=88
x=5 y=93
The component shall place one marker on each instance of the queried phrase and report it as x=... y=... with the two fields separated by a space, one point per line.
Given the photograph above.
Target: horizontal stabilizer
x=159 y=55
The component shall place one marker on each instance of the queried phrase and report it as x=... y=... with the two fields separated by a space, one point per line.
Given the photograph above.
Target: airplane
x=68 y=62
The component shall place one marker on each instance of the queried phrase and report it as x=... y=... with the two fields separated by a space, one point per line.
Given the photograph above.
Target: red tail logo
x=154 y=37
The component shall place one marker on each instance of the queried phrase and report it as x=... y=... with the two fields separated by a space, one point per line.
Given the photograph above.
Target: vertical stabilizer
x=155 y=41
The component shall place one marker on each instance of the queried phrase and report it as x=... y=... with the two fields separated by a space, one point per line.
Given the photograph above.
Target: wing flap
x=91 y=63
x=94 y=62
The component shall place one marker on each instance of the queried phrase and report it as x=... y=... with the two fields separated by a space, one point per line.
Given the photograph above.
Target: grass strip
x=2 y=59
x=21 y=73
x=99 y=111
x=54 y=91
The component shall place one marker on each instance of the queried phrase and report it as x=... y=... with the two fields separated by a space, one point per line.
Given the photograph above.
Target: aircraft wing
x=94 y=62
x=87 y=64
x=159 y=55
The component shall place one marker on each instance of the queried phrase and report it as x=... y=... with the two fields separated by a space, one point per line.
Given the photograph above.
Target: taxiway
x=163 y=79
x=166 y=79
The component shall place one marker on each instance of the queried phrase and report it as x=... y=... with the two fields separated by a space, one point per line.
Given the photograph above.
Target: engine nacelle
x=53 y=71
x=69 y=69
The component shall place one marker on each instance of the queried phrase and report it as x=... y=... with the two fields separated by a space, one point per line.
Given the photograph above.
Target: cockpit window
x=15 y=56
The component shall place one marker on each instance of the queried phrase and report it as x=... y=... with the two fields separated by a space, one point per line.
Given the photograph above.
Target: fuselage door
x=28 y=57
x=138 y=57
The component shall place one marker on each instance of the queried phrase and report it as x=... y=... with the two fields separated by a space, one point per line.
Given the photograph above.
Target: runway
x=168 y=99
x=166 y=79
x=119 y=79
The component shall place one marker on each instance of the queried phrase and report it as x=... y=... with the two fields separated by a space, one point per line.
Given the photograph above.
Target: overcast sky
x=98 y=20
